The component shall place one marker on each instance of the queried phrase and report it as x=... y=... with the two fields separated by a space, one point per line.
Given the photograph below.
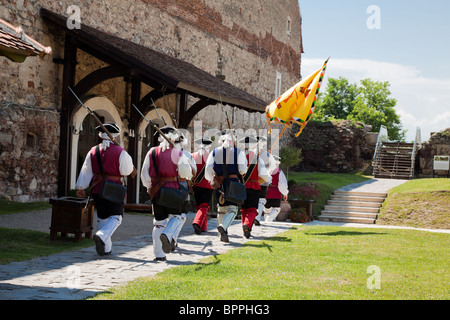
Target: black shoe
x=246 y=231
x=197 y=228
x=173 y=245
x=165 y=243
x=160 y=259
x=99 y=245
x=257 y=223
x=223 y=234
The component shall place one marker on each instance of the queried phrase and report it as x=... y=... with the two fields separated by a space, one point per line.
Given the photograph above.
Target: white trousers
x=226 y=215
x=106 y=228
x=261 y=203
x=174 y=226
x=171 y=227
x=271 y=213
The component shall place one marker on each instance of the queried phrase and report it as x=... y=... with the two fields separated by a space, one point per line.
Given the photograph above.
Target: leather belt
x=164 y=179
x=107 y=176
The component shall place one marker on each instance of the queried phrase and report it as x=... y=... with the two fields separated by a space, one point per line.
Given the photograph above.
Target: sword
x=174 y=119
x=95 y=117
x=133 y=174
x=154 y=126
x=231 y=130
x=156 y=109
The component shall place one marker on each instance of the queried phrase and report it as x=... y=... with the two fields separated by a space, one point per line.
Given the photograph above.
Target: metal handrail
x=417 y=141
x=382 y=137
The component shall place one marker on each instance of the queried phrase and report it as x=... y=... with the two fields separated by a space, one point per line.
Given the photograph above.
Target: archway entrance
x=85 y=136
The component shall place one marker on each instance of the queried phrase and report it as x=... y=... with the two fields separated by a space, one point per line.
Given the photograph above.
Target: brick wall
x=29 y=150
x=244 y=42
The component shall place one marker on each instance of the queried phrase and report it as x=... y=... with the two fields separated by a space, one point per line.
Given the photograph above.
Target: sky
x=405 y=42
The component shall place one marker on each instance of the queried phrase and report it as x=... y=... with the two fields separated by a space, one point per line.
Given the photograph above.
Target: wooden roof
x=171 y=72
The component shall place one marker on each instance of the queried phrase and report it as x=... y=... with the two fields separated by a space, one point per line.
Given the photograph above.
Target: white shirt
x=183 y=167
x=262 y=171
x=192 y=162
x=282 y=184
x=86 y=174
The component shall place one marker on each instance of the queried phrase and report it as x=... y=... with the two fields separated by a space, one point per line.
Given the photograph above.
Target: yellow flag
x=297 y=104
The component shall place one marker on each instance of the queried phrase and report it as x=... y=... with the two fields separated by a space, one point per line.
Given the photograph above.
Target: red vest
x=201 y=162
x=272 y=191
x=167 y=163
x=110 y=160
x=252 y=182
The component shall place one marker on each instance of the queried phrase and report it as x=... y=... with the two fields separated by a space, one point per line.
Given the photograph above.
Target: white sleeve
x=125 y=164
x=209 y=168
x=192 y=162
x=184 y=167
x=86 y=174
x=272 y=163
x=282 y=184
x=242 y=162
x=145 y=172
x=262 y=171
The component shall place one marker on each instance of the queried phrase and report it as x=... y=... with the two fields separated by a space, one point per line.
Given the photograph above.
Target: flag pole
x=278 y=139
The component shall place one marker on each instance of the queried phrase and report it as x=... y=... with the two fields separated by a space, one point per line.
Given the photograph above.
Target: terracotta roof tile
x=14 y=42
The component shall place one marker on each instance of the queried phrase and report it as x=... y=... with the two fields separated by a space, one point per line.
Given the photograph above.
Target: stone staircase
x=352 y=206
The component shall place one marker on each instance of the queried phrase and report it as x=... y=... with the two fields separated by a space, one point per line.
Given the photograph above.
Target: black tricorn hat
x=204 y=141
x=261 y=138
x=248 y=139
x=110 y=126
x=165 y=130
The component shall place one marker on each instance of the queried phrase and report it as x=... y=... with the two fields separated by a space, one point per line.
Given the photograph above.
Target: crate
x=307 y=204
x=71 y=215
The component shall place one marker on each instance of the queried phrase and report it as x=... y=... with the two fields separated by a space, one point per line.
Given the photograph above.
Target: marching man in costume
x=162 y=167
x=116 y=163
x=278 y=189
x=235 y=164
x=256 y=173
x=181 y=144
x=201 y=187
x=269 y=161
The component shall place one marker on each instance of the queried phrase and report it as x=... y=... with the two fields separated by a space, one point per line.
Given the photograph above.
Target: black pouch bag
x=235 y=192
x=110 y=190
x=169 y=197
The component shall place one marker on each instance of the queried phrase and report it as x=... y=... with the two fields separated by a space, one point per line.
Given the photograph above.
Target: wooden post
x=67 y=105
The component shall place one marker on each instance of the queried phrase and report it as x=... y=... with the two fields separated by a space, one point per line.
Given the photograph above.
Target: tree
x=369 y=103
x=290 y=156
x=338 y=101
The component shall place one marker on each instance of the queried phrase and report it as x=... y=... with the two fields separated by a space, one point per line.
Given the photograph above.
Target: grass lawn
x=20 y=244
x=315 y=262
x=419 y=203
x=9 y=207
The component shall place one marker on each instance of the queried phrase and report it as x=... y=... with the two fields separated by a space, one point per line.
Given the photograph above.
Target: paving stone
x=82 y=273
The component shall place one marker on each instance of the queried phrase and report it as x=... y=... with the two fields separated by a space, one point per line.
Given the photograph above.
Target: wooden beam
x=146 y=104
x=186 y=116
x=133 y=121
x=98 y=76
x=67 y=104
